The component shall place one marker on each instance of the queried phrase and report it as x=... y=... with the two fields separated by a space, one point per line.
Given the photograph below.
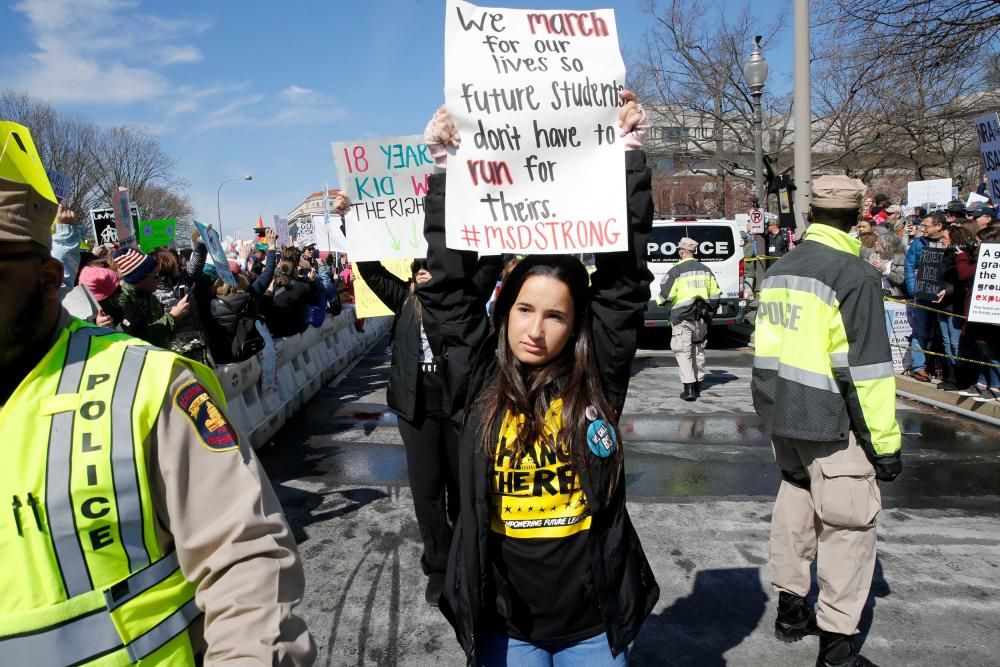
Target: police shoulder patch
x=212 y=429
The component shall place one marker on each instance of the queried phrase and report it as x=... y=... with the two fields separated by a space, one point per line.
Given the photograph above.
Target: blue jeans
x=500 y=651
x=951 y=333
x=923 y=322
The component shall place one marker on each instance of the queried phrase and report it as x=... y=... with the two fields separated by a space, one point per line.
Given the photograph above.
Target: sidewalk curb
x=929 y=394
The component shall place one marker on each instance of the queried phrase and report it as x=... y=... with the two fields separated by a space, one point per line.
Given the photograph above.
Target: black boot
x=838 y=651
x=688 y=393
x=795 y=620
x=697 y=389
x=948 y=379
x=435 y=585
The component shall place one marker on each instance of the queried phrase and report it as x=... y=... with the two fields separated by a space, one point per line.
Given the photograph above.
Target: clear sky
x=236 y=88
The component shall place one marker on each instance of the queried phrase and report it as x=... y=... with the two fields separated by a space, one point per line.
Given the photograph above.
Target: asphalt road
x=701 y=482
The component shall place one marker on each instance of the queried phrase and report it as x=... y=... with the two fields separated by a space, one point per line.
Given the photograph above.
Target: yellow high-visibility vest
x=687 y=282
x=822 y=363
x=84 y=580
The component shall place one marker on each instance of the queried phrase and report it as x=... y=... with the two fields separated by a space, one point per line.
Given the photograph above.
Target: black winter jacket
x=404 y=375
x=455 y=321
x=227 y=311
x=286 y=312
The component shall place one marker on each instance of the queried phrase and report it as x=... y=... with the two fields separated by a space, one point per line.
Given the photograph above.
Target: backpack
x=247 y=341
x=333 y=305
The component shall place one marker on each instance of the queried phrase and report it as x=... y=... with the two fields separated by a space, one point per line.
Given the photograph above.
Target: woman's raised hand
x=632 y=121
x=440 y=134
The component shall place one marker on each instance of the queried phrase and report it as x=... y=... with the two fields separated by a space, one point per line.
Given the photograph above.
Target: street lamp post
x=218 y=197
x=755 y=73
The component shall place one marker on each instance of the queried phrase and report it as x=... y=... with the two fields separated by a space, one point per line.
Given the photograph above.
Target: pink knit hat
x=102 y=283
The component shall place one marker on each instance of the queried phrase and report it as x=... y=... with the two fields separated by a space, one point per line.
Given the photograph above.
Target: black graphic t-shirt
x=539 y=560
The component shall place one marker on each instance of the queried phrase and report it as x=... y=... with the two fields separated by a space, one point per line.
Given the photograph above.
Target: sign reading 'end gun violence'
x=386 y=181
x=534 y=95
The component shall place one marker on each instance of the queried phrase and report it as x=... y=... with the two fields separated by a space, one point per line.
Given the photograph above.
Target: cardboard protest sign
x=366 y=304
x=155 y=234
x=124 y=220
x=386 y=180
x=216 y=252
x=985 y=303
x=281 y=230
x=899 y=332
x=327 y=234
x=103 y=222
x=62 y=185
x=935 y=191
x=929 y=278
x=988 y=130
x=534 y=95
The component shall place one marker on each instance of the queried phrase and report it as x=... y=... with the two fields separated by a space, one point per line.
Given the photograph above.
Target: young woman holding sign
x=418 y=396
x=545 y=567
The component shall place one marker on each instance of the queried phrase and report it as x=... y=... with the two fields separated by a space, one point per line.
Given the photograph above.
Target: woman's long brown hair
x=573 y=375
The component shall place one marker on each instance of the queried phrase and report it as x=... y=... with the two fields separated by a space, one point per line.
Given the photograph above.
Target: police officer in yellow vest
x=137 y=527
x=823 y=383
x=693 y=294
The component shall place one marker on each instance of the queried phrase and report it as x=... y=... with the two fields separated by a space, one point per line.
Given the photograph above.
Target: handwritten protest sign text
x=534 y=95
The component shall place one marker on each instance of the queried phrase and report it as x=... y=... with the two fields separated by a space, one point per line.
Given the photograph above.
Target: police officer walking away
x=823 y=383
x=693 y=294
x=139 y=527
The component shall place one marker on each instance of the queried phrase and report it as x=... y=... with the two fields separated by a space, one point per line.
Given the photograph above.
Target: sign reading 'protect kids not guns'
x=534 y=95
x=386 y=181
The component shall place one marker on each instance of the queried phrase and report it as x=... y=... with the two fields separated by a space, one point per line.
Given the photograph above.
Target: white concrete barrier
x=306 y=363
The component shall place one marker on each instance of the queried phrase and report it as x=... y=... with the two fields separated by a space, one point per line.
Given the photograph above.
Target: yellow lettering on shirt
x=538 y=496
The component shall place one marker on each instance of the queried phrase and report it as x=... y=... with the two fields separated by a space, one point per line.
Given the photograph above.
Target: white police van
x=720 y=248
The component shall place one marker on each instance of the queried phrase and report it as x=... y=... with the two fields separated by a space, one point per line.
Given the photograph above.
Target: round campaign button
x=601 y=438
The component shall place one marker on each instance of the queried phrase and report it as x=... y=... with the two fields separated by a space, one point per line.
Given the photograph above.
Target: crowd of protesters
x=927 y=258
x=176 y=299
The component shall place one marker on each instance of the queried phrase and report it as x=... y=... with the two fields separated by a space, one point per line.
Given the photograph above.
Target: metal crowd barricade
x=306 y=362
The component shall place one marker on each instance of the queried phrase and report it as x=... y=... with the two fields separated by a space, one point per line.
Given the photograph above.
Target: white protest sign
x=984 y=305
x=327 y=233
x=899 y=332
x=215 y=250
x=935 y=191
x=386 y=181
x=975 y=199
x=534 y=95
x=306 y=232
x=988 y=130
x=268 y=358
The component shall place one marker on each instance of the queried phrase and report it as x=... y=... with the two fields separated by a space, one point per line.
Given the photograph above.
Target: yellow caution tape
x=947 y=356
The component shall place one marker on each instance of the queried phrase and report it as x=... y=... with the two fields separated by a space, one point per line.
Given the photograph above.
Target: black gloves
x=887 y=467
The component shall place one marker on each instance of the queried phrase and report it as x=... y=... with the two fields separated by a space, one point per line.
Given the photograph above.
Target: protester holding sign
x=539 y=400
x=923 y=282
x=418 y=395
x=66 y=247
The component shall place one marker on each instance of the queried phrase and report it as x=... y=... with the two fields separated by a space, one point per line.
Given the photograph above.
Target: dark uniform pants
x=826 y=510
x=431 y=444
